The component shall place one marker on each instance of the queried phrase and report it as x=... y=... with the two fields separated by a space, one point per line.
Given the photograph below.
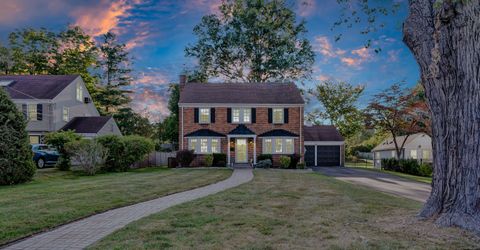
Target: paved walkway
x=82 y=233
x=380 y=181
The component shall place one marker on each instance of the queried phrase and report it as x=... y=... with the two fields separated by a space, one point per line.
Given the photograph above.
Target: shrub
x=16 y=164
x=219 y=160
x=390 y=164
x=90 y=154
x=409 y=166
x=284 y=161
x=267 y=163
x=426 y=169
x=59 y=140
x=185 y=157
x=262 y=157
x=301 y=166
x=208 y=160
x=124 y=151
x=294 y=159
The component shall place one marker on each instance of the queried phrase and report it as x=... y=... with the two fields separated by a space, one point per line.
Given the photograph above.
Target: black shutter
x=39 y=112
x=229 y=115
x=254 y=115
x=285 y=115
x=195 y=115
x=25 y=111
x=270 y=115
x=212 y=115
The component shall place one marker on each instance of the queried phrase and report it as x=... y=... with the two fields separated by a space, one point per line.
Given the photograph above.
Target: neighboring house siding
x=419 y=148
x=67 y=98
x=43 y=125
x=110 y=128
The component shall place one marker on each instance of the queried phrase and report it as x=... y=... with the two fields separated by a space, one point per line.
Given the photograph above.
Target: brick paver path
x=82 y=233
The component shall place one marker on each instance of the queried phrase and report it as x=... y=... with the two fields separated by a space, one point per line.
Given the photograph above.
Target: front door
x=241 y=154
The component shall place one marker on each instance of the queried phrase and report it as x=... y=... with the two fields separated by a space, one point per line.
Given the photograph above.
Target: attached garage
x=324 y=146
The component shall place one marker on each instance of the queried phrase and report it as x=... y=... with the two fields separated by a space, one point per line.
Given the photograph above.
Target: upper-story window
x=32 y=112
x=65 y=114
x=278 y=115
x=79 y=92
x=241 y=115
x=204 y=115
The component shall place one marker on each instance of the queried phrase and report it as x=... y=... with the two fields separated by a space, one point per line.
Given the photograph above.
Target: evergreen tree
x=16 y=163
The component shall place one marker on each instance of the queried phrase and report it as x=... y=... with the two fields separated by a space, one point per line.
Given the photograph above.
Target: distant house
x=244 y=120
x=417 y=146
x=56 y=102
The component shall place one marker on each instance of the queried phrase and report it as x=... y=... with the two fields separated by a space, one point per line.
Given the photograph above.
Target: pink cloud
x=364 y=53
x=305 y=7
x=393 y=55
x=104 y=17
x=205 y=6
x=150 y=103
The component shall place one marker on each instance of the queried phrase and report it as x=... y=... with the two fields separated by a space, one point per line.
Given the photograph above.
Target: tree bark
x=445 y=41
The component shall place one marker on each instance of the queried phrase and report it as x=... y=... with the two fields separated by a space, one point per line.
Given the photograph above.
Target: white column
x=255 y=150
x=228 y=151
x=315 y=155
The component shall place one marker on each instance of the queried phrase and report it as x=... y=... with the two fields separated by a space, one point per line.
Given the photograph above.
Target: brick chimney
x=182 y=80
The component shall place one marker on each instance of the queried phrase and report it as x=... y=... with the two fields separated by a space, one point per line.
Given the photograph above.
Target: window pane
x=236 y=115
x=203 y=145
x=426 y=154
x=205 y=115
x=65 y=114
x=413 y=153
x=268 y=146
x=289 y=146
x=79 y=92
x=215 y=146
x=278 y=145
x=32 y=112
x=192 y=145
x=246 y=115
x=277 y=115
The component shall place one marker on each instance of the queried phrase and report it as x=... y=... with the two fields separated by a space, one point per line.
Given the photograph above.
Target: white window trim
x=284 y=145
x=282 y=111
x=197 y=148
x=241 y=116
x=209 y=120
x=68 y=114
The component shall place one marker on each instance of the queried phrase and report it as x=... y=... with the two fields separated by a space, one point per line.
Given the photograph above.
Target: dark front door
x=328 y=156
x=310 y=156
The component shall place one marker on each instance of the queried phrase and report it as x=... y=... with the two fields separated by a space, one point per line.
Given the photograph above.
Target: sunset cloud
x=305 y=7
x=352 y=58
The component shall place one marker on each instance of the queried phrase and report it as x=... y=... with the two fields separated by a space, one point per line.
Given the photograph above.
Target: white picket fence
x=155 y=159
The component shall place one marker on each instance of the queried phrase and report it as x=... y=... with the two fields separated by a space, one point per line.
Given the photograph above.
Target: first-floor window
x=278 y=146
x=204 y=145
x=34 y=139
x=413 y=153
x=426 y=154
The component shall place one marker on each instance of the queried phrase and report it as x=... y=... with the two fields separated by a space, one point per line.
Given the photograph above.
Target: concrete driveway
x=379 y=181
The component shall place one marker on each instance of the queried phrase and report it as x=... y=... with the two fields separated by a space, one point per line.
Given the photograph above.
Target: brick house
x=241 y=120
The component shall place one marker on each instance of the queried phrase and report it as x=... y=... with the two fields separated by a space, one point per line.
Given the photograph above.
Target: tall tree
x=6 y=60
x=131 y=123
x=443 y=37
x=252 y=40
x=167 y=129
x=395 y=110
x=339 y=100
x=115 y=66
x=32 y=50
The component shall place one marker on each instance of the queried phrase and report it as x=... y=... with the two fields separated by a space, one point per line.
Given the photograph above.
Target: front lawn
x=56 y=197
x=285 y=210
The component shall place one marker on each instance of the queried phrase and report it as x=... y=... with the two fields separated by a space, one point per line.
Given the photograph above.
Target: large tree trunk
x=445 y=41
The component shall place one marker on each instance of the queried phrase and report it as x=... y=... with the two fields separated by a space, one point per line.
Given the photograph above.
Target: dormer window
x=241 y=115
x=204 y=115
x=79 y=92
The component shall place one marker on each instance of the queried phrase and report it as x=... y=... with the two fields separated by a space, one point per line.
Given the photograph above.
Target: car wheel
x=40 y=163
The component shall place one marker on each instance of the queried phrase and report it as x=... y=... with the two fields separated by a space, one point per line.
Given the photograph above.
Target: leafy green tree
x=32 y=50
x=339 y=100
x=59 y=140
x=6 y=60
x=131 y=123
x=253 y=41
x=16 y=164
x=167 y=130
x=115 y=66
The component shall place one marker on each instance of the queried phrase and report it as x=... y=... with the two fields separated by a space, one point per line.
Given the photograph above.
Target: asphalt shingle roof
x=204 y=133
x=241 y=130
x=87 y=125
x=239 y=93
x=36 y=86
x=321 y=133
x=278 y=133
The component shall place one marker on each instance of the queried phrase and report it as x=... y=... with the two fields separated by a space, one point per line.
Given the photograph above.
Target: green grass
x=361 y=164
x=423 y=179
x=56 y=197
x=285 y=210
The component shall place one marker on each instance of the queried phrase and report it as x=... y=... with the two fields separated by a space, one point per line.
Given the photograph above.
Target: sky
x=156 y=33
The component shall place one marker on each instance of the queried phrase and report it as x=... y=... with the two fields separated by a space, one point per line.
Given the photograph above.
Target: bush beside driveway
x=57 y=197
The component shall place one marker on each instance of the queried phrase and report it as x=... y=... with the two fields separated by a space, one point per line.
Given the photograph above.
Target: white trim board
x=324 y=143
x=238 y=105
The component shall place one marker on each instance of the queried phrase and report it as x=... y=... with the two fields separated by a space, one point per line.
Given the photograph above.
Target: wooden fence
x=155 y=159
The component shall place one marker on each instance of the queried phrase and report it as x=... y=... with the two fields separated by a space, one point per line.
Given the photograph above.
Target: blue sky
x=157 y=31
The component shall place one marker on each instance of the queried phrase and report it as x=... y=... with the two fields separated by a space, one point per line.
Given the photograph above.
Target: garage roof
x=321 y=133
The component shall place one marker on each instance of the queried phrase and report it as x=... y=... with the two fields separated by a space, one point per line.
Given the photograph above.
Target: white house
x=417 y=146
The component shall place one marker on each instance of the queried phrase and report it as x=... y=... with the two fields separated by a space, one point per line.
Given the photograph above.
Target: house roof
x=241 y=93
x=321 y=133
x=87 y=125
x=241 y=130
x=36 y=86
x=204 y=133
x=388 y=143
x=278 y=133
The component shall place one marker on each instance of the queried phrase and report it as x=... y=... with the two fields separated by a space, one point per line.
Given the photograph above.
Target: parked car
x=44 y=155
